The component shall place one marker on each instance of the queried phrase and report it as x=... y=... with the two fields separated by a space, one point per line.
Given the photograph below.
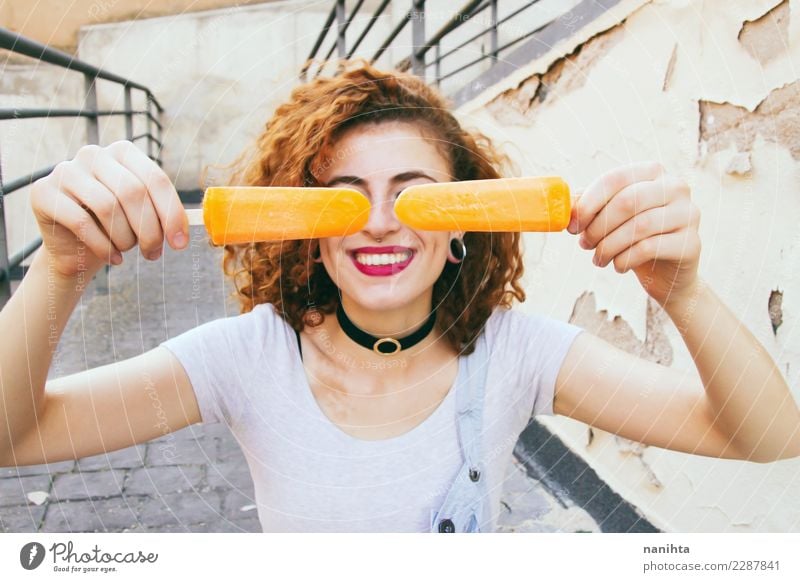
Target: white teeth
x=382 y=259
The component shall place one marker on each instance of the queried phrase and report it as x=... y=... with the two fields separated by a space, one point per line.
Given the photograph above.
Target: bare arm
x=104 y=409
x=641 y=219
x=656 y=405
x=749 y=399
x=104 y=201
x=39 y=309
x=108 y=408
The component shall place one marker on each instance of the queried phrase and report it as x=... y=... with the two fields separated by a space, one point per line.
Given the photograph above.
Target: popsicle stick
x=195 y=216
x=501 y=205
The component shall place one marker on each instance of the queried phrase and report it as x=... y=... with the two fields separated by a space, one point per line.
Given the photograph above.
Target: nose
x=382 y=219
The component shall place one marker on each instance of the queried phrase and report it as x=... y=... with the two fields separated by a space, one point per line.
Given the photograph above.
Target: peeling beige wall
x=711 y=90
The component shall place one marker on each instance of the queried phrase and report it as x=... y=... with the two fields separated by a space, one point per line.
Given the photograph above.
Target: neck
x=398 y=322
x=395 y=323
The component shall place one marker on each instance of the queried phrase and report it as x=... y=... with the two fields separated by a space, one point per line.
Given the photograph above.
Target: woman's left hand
x=642 y=219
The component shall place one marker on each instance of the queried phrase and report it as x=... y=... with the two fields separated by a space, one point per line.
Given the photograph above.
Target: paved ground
x=203 y=484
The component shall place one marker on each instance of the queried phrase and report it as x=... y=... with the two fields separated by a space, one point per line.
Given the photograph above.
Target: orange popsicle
x=244 y=214
x=501 y=205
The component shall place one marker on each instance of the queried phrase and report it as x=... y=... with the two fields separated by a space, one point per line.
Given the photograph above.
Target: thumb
x=574 y=196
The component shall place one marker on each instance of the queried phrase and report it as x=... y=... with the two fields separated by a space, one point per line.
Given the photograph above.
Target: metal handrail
x=469 y=10
x=509 y=44
x=25 y=46
x=148 y=136
x=421 y=46
x=39 y=113
x=367 y=28
x=24 y=181
x=464 y=43
x=16 y=43
x=455 y=21
x=320 y=39
x=412 y=15
x=343 y=30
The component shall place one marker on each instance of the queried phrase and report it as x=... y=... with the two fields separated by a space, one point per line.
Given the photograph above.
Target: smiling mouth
x=379 y=259
x=382 y=264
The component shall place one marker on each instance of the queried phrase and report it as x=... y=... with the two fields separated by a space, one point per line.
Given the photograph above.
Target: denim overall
x=466 y=504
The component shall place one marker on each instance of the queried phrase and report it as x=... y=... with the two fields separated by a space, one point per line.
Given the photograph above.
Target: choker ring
x=385 y=346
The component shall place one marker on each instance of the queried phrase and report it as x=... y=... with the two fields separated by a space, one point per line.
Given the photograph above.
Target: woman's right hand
x=108 y=199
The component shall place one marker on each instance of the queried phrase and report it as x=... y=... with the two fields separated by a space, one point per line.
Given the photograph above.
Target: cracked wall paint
x=776 y=118
x=655 y=347
x=670 y=68
x=767 y=36
x=648 y=95
x=775 y=310
x=520 y=105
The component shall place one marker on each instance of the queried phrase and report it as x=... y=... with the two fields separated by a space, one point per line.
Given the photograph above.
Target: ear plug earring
x=458 y=250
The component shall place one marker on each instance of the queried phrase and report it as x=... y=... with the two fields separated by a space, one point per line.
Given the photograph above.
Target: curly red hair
x=317 y=113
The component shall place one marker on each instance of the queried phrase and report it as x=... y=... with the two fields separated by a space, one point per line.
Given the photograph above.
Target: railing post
x=438 y=49
x=5 y=284
x=90 y=104
x=494 y=31
x=129 y=115
x=341 y=21
x=149 y=125
x=418 y=38
x=160 y=135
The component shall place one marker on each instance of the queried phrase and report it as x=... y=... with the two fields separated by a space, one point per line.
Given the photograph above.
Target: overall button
x=446 y=526
x=474 y=474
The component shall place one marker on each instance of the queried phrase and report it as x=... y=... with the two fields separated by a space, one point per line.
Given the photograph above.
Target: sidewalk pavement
x=196 y=479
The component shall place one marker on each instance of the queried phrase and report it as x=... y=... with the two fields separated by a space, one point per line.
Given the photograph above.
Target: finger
x=67 y=212
x=163 y=195
x=574 y=197
x=100 y=202
x=631 y=200
x=598 y=194
x=673 y=246
x=135 y=201
x=660 y=220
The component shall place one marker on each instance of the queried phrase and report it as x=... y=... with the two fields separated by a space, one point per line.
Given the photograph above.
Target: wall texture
x=711 y=90
x=56 y=23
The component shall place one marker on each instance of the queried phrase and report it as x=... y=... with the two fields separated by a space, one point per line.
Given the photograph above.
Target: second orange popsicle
x=501 y=205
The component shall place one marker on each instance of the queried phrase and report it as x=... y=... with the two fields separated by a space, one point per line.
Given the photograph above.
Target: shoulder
x=510 y=326
x=260 y=312
x=261 y=321
x=263 y=318
x=507 y=320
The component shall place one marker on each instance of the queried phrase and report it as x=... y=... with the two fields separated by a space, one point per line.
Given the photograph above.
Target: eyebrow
x=356 y=181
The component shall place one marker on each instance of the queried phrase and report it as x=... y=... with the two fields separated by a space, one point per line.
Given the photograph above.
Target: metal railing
x=10 y=267
x=514 y=52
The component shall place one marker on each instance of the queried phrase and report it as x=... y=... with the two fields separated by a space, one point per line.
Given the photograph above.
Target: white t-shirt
x=309 y=475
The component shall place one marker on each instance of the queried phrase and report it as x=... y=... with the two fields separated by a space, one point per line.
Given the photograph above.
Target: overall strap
x=466 y=504
x=469 y=409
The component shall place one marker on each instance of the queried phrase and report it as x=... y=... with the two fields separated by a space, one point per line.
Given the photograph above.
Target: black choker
x=386 y=346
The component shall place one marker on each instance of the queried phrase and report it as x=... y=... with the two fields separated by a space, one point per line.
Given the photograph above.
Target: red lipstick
x=381 y=270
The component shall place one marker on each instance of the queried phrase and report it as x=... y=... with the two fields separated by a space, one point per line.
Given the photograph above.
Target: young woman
x=379 y=381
